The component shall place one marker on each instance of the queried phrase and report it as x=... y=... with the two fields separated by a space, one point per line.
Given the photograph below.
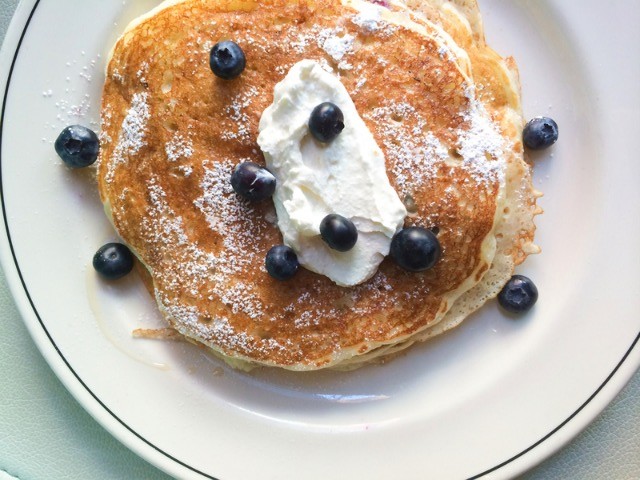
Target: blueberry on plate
x=338 y=232
x=77 y=146
x=227 y=60
x=253 y=182
x=540 y=133
x=326 y=122
x=518 y=295
x=113 y=261
x=415 y=249
x=282 y=262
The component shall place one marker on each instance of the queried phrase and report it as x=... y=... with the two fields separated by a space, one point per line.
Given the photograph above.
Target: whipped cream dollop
x=346 y=176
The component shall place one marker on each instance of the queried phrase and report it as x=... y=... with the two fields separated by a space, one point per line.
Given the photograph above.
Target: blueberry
x=540 y=133
x=415 y=249
x=77 y=146
x=326 y=122
x=113 y=261
x=252 y=181
x=338 y=232
x=282 y=262
x=518 y=295
x=227 y=60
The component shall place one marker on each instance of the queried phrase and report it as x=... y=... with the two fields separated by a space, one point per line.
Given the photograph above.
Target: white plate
x=490 y=399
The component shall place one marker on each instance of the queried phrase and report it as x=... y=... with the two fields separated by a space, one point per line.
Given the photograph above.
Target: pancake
x=172 y=133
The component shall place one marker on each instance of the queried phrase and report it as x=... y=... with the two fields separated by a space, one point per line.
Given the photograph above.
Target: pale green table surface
x=45 y=433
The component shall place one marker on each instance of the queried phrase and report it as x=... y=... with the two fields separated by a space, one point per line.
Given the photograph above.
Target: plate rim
x=570 y=427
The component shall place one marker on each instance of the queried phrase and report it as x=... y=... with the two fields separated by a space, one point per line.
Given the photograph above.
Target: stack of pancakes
x=443 y=107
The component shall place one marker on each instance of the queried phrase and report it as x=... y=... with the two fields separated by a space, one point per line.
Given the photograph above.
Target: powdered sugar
x=70 y=110
x=336 y=42
x=162 y=225
x=236 y=110
x=142 y=72
x=186 y=170
x=189 y=268
x=72 y=102
x=412 y=151
x=132 y=134
x=481 y=143
x=178 y=148
x=337 y=47
x=117 y=76
x=230 y=217
x=370 y=21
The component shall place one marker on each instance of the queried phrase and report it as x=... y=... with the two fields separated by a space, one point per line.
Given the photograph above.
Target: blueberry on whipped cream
x=326 y=122
x=338 y=232
x=77 y=146
x=227 y=60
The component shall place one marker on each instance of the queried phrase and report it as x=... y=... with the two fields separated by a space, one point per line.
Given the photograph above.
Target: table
x=45 y=433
